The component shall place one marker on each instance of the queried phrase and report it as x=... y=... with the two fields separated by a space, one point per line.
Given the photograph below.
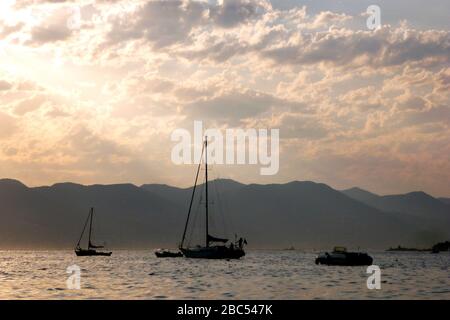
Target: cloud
x=383 y=48
x=411 y=102
x=327 y=18
x=233 y=28
x=5 y=85
x=231 y=13
x=6 y=30
x=352 y=104
x=50 y=33
x=162 y=23
x=29 y=104
x=90 y=145
x=57 y=112
x=297 y=126
x=195 y=29
x=27 y=3
x=231 y=107
x=165 y=23
x=437 y=114
x=8 y=125
x=53 y=28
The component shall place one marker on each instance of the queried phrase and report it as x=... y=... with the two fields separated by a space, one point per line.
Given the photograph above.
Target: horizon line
x=229 y=179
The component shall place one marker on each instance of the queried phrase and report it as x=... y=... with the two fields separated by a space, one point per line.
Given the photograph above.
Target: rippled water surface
x=260 y=275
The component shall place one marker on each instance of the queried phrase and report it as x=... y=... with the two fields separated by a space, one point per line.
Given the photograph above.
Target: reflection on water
x=260 y=275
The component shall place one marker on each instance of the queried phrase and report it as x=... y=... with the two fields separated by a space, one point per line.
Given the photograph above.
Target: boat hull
x=345 y=259
x=168 y=254
x=90 y=253
x=215 y=252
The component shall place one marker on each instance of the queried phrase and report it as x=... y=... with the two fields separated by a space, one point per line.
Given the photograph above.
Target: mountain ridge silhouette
x=304 y=214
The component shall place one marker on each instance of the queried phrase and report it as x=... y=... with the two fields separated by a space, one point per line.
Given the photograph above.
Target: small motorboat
x=164 y=253
x=441 y=247
x=340 y=257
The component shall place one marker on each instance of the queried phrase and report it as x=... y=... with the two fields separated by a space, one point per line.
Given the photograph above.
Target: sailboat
x=90 y=251
x=214 y=248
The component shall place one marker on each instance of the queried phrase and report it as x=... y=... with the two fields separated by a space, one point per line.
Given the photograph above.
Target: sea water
x=259 y=275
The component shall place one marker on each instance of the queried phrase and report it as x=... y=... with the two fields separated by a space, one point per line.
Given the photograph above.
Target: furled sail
x=94 y=247
x=214 y=239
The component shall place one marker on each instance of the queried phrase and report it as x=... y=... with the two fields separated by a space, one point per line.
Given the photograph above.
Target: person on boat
x=241 y=243
x=231 y=245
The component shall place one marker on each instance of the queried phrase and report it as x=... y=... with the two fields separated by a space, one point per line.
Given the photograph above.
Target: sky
x=90 y=91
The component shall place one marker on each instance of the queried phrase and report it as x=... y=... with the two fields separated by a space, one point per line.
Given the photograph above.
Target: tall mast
x=90 y=228
x=192 y=199
x=84 y=228
x=206 y=189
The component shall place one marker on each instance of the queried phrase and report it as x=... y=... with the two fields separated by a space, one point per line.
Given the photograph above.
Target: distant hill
x=420 y=207
x=126 y=215
x=360 y=194
x=413 y=203
x=308 y=214
x=182 y=196
x=445 y=200
x=303 y=214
